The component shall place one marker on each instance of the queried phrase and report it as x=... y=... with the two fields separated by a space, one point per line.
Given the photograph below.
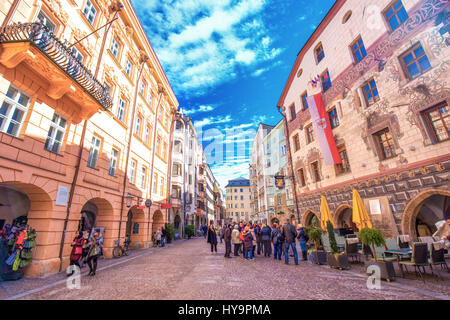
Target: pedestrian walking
x=257 y=230
x=227 y=239
x=158 y=237
x=248 y=243
x=212 y=238
x=290 y=235
x=277 y=240
x=95 y=246
x=236 y=240
x=265 y=239
x=302 y=240
x=221 y=233
x=205 y=231
x=77 y=251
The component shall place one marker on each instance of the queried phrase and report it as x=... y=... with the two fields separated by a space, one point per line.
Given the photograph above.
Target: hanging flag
x=322 y=127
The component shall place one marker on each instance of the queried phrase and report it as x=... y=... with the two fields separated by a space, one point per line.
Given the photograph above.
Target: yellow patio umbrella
x=360 y=217
x=325 y=214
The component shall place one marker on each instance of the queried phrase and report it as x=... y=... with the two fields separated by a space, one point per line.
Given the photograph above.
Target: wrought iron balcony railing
x=59 y=52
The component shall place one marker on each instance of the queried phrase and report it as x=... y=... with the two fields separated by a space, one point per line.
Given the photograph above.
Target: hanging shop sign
x=279 y=182
x=199 y=212
x=166 y=206
x=141 y=207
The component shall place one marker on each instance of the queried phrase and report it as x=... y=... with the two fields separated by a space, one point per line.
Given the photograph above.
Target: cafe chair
x=419 y=259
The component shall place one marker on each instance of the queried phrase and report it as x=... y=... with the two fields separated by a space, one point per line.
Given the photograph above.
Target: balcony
x=175 y=201
x=44 y=54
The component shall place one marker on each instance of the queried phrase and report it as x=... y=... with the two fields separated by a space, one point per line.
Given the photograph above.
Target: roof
x=239 y=182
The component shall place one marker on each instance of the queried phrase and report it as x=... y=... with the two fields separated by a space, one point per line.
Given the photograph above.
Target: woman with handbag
x=77 y=251
x=95 y=244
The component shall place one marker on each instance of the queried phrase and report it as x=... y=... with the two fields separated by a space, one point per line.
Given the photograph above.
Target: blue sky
x=228 y=62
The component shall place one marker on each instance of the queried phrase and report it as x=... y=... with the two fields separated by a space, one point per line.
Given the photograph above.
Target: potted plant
x=317 y=255
x=336 y=259
x=372 y=238
x=190 y=231
x=170 y=232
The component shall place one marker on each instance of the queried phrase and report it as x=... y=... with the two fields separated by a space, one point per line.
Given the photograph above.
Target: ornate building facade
x=382 y=68
x=85 y=125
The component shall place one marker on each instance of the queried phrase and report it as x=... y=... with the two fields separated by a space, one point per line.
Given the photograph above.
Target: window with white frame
x=137 y=130
x=132 y=171
x=94 y=152
x=143 y=176
x=161 y=186
x=46 y=21
x=77 y=54
x=147 y=134
x=114 y=48
x=56 y=133
x=90 y=12
x=128 y=67
x=113 y=162
x=120 y=109
x=13 y=110
x=142 y=88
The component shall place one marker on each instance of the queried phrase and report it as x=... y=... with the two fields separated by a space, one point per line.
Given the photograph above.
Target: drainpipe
x=118 y=8
x=143 y=60
x=169 y=165
x=290 y=161
x=10 y=13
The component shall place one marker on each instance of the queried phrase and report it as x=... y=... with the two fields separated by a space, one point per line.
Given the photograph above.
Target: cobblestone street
x=187 y=270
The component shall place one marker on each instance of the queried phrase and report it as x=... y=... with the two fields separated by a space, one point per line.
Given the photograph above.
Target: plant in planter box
x=372 y=238
x=190 y=231
x=335 y=258
x=316 y=256
x=170 y=232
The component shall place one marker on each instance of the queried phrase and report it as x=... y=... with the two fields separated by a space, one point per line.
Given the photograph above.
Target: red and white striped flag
x=322 y=127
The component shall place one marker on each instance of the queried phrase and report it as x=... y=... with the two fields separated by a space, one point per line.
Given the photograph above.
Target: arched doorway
x=343 y=218
x=310 y=219
x=89 y=214
x=178 y=225
x=422 y=212
x=136 y=227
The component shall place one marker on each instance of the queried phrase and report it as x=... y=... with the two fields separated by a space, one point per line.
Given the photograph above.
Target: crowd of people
x=87 y=247
x=251 y=239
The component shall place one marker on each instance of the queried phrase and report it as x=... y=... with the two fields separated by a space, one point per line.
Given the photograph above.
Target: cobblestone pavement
x=188 y=270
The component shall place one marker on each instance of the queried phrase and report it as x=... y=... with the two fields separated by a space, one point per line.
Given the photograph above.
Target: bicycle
x=119 y=250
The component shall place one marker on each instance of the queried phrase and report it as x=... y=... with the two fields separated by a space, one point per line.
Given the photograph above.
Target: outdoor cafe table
x=400 y=252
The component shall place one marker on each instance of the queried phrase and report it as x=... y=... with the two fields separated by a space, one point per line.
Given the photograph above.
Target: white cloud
x=203 y=43
x=201 y=108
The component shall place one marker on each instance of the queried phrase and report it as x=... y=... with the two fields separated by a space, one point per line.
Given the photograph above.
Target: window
x=90 y=12
x=309 y=134
x=438 y=121
x=77 y=54
x=358 y=49
x=242 y=197
x=178 y=147
x=56 y=134
x=94 y=152
x=128 y=68
x=147 y=135
x=304 y=101
x=301 y=177
x=179 y=125
x=137 y=130
x=385 y=144
x=158 y=144
x=292 y=110
x=161 y=186
x=326 y=81
x=345 y=165
x=315 y=171
x=176 y=192
x=296 y=142
x=166 y=119
x=235 y=190
x=395 y=14
x=143 y=177
x=120 y=109
x=142 y=88
x=114 y=48
x=242 y=190
x=107 y=88
x=132 y=171
x=12 y=111
x=155 y=182
x=177 y=169
x=242 y=205
x=320 y=54
x=113 y=162
x=46 y=21
x=415 y=61
x=334 y=120
x=370 y=92
x=164 y=150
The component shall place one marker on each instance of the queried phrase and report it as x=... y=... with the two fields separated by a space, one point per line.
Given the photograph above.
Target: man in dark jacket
x=277 y=240
x=257 y=230
x=265 y=238
x=227 y=239
x=290 y=234
x=163 y=236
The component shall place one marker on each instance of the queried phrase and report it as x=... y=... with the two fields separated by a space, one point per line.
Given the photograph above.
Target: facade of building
x=238 y=201
x=384 y=78
x=85 y=126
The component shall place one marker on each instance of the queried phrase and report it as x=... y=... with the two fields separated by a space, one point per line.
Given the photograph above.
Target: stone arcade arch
x=157 y=221
x=309 y=217
x=421 y=208
x=343 y=217
x=136 y=227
